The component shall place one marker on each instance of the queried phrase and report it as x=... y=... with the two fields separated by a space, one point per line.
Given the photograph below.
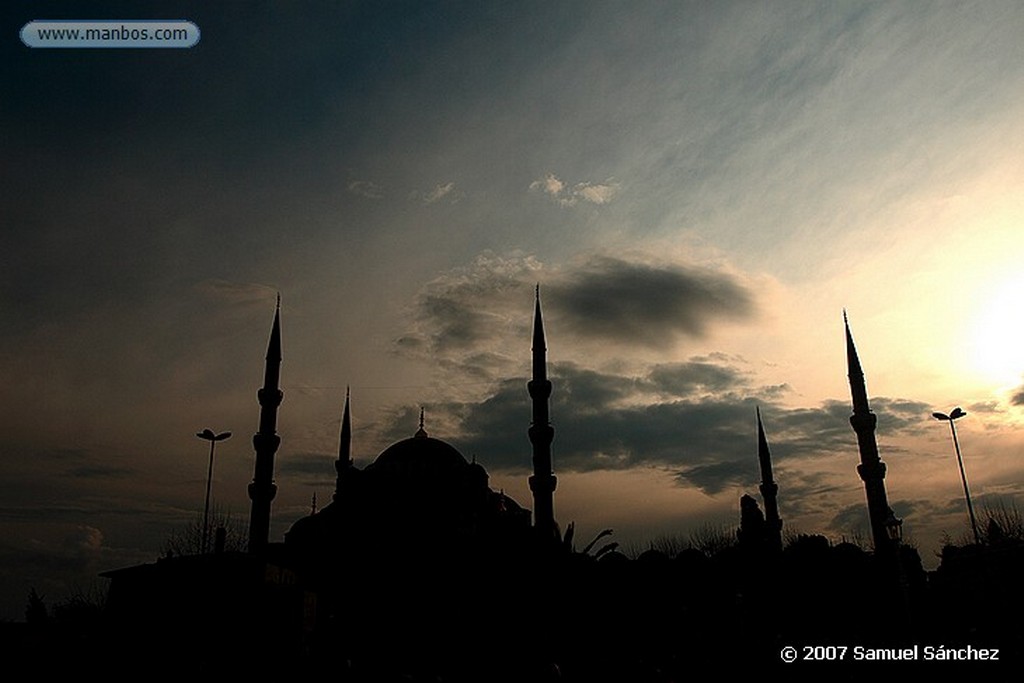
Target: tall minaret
x=543 y=481
x=871 y=468
x=769 y=490
x=343 y=464
x=265 y=441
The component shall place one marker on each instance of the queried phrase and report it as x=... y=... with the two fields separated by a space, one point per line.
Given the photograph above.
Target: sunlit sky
x=700 y=189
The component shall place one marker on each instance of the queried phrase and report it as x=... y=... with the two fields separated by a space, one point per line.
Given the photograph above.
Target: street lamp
x=208 y=435
x=954 y=415
x=894 y=528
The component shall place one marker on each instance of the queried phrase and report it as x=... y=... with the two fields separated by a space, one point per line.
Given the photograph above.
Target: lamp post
x=894 y=531
x=954 y=415
x=208 y=435
x=894 y=528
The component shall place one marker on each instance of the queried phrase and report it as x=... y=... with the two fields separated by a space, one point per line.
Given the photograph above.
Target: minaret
x=543 y=481
x=871 y=468
x=265 y=441
x=769 y=490
x=343 y=464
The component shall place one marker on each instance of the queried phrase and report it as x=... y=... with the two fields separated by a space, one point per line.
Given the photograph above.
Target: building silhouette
x=543 y=481
x=266 y=442
x=421 y=497
x=884 y=524
x=418 y=570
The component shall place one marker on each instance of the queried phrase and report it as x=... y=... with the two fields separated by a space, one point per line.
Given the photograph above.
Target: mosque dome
x=420 y=454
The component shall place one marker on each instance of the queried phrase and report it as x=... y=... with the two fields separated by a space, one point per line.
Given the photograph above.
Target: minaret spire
x=540 y=370
x=855 y=373
x=543 y=481
x=344 y=462
x=769 y=489
x=871 y=468
x=421 y=433
x=266 y=441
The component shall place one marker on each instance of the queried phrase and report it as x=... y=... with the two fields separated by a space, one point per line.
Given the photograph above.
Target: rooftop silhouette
x=418 y=568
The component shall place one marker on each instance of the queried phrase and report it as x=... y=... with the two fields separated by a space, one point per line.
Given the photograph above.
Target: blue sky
x=700 y=189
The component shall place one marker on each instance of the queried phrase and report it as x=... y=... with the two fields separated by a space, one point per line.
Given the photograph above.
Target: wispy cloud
x=366 y=188
x=594 y=193
x=441 y=191
x=235 y=293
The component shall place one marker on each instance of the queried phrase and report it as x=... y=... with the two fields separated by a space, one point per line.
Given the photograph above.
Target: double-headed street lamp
x=208 y=435
x=954 y=415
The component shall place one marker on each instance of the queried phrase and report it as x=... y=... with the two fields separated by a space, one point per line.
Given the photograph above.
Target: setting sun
x=997 y=344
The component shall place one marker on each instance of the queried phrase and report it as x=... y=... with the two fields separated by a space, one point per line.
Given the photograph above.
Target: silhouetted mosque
x=418 y=570
x=419 y=498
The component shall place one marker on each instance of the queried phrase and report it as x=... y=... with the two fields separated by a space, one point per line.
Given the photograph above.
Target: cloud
x=992 y=406
x=469 y=311
x=614 y=302
x=99 y=471
x=683 y=379
x=852 y=520
x=712 y=478
x=437 y=194
x=306 y=463
x=236 y=293
x=549 y=184
x=64 y=548
x=366 y=188
x=594 y=193
x=695 y=419
x=648 y=305
x=457 y=324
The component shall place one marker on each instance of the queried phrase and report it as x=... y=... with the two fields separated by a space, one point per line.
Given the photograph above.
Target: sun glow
x=997 y=343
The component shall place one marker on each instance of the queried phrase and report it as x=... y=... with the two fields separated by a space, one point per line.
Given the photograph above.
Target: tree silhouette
x=188 y=538
x=35 y=610
x=82 y=608
x=1002 y=523
x=711 y=539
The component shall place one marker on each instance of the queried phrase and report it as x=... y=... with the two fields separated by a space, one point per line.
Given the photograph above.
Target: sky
x=700 y=190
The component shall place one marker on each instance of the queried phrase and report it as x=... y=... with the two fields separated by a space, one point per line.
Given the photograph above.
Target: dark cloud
x=318 y=466
x=607 y=421
x=993 y=406
x=713 y=477
x=826 y=429
x=625 y=301
x=67 y=549
x=455 y=324
x=1017 y=398
x=468 y=311
x=684 y=379
x=647 y=305
x=852 y=519
x=99 y=471
x=806 y=492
